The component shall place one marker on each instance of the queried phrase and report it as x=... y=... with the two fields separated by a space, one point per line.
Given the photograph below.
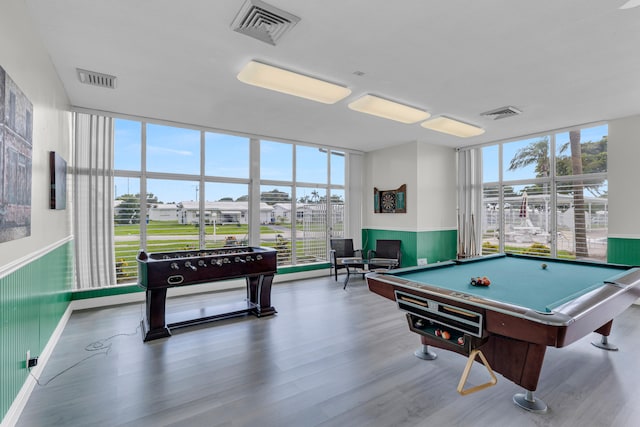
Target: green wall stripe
x=33 y=299
x=130 y=289
x=434 y=245
x=303 y=267
x=437 y=245
x=106 y=292
x=623 y=251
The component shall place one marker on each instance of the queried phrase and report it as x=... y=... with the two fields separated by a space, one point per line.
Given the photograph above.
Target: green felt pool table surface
x=512 y=321
x=519 y=281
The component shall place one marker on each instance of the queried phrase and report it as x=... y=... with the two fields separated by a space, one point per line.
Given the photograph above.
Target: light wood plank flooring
x=328 y=358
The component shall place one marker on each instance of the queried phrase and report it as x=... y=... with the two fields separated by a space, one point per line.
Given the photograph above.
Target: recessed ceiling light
x=452 y=127
x=384 y=108
x=284 y=81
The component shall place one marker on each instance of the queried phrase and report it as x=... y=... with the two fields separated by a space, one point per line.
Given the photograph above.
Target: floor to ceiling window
x=295 y=181
x=547 y=195
x=198 y=194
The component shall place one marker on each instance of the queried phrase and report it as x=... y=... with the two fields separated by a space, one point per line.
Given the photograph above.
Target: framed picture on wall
x=16 y=147
x=390 y=201
x=58 y=174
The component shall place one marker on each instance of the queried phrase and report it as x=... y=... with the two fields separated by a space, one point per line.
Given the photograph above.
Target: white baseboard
x=281 y=278
x=13 y=414
x=15 y=410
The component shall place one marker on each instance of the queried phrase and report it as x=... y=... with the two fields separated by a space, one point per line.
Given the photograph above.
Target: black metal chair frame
x=343 y=248
x=389 y=249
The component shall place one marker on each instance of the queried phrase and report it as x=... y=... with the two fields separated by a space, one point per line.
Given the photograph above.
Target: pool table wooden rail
x=558 y=328
x=517 y=360
x=514 y=338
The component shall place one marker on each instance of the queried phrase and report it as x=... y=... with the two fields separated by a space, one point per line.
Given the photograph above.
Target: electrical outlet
x=29 y=361
x=32 y=363
x=422 y=261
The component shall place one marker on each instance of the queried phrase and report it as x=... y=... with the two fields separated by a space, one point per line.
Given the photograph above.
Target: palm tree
x=538 y=153
x=582 y=250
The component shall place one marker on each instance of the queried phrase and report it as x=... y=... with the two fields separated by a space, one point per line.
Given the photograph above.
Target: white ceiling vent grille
x=262 y=21
x=96 y=79
x=502 y=113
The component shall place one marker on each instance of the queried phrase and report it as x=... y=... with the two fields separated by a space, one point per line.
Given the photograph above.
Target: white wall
x=388 y=169
x=353 y=197
x=436 y=188
x=623 y=166
x=23 y=57
x=430 y=174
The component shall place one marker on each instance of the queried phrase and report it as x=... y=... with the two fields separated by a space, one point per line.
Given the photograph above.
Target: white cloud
x=169 y=150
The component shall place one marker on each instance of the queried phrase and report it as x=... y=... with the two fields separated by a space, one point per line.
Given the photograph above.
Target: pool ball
x=446 y=335
x=461 y=340
x=480 y=281
x=544 y=266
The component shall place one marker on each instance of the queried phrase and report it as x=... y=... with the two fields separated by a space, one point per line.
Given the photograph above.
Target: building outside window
x=197 y=187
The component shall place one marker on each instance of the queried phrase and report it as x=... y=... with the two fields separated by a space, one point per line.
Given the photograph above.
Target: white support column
x=353 y=195
x=203 y=196
x=254 y=193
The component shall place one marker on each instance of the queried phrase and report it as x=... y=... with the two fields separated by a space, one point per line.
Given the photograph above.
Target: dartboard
x=388 y=201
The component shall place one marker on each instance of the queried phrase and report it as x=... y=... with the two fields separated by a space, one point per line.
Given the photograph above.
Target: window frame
x=551 y=182
x=253 y=182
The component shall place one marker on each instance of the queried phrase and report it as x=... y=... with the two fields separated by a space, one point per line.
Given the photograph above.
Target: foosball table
x=160 y=271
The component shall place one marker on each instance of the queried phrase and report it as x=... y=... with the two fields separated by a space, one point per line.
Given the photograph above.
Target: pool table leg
x=604 y=344
x=605 y=330
x=424 y=353
x=529 y=402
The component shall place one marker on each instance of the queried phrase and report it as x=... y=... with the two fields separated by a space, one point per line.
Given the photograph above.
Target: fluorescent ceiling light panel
x=384 y=108
x=280 y=80
x=452 y=127
x=630 y=4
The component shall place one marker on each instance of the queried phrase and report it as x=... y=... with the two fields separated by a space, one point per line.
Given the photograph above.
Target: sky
x=177 y=151
x=490 y=153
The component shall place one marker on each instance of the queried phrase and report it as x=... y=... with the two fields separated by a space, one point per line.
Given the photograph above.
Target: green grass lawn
x=338 y=227
x=169 y=236
x=160 y=228
x=535 y=249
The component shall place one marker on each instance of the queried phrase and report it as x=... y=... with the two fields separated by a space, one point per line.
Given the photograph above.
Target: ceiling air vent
x=262 y=21
x=502 y=113
x=96 y=79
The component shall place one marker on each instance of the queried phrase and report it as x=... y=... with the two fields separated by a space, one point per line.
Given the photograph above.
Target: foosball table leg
x=153 y=324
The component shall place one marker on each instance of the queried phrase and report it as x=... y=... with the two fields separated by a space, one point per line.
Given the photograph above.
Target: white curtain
x=469 y=202
x=93 y=195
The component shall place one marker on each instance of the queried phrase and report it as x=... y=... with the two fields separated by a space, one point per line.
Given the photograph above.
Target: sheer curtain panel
x=93 y=196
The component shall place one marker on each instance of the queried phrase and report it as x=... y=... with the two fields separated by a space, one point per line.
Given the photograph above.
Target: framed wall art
x=390 y=201
x=58 y=177
x=16 y=146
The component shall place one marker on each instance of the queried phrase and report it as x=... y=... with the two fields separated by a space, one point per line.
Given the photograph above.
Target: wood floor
x=328 y=358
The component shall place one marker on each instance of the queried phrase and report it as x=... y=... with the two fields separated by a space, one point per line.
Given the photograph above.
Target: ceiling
x=562 y=63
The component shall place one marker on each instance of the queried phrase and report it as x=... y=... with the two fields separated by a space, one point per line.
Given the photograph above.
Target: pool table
x=530 y=303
